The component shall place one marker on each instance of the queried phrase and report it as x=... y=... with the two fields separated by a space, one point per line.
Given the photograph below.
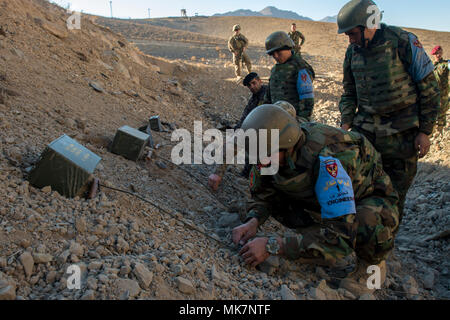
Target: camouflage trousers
x=400 y=158
x=297 y=50
x=244 y=59
x=442 y=116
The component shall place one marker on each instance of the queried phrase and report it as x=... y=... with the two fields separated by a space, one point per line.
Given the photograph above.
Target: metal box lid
x=75 y=152
x=135 y=133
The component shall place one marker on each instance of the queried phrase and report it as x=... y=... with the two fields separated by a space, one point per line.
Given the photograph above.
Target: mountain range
x=266 y=12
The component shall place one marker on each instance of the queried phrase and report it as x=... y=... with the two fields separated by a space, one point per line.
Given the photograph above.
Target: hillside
x=267 y=12
x=87 y=83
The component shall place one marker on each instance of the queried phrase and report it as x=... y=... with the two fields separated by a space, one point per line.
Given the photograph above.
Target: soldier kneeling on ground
x=330 y=188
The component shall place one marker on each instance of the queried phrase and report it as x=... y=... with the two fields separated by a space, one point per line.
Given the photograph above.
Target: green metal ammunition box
x=155 y=123
x=129 y=143
x=66 y=166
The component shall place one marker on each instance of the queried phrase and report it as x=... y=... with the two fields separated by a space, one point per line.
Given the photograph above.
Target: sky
x=430 y=14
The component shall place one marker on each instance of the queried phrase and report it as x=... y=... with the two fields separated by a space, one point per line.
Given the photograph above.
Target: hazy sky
x=430 y=14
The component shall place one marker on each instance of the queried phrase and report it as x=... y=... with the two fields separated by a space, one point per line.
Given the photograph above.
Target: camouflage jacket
x=441 y=71
x=296 y=36
x=237 y=43
x=296 y=183
x=389 y=87
x=292 y=81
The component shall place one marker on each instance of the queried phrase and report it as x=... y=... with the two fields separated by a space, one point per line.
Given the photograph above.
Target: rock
x=18 y=53
x=103 y=278
x=76 y=249
x=323 y=292
x=96 y=86
x=286 y=293
x=46 y=189
x=143 y=275
x=95 y=265
x=177 y=269
x=80 y=225
x=410 y=287
x=161 y=165
x=367 y=296
x=428 y=280
x=184 y=285
x=42 y=257
x=124 y=270
x=127 y=285
x=230 y=220
x=51 y=276
x=346 y=294
x=122 y=245
x=270 y=265
x=88 y=295
x=3 y=262
x=27 y=261
x=62 y=258
x=8 y=292
x=91 y=283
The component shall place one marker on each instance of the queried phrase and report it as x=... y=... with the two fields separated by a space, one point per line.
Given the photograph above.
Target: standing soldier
x=441 y=70
x=291 y=79
x=237 y=45
x=390 y=91
x=296 y=36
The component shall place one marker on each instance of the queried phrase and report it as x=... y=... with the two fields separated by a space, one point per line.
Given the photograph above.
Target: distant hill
x=329 y=19
x=266 y=12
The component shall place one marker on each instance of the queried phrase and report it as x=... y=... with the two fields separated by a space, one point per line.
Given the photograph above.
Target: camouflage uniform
x=296 y=36
x=441 y=72
x=290 y=197
x=292 y=82
x=390 y=95
x=236 y=45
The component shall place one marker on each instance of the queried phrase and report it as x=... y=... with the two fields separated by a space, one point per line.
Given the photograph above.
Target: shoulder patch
x=305 y=86
x=334 y=189
x=421 y=65
x=255 y=178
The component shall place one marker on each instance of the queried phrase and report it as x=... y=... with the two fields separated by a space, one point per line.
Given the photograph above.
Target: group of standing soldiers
x=341 y=189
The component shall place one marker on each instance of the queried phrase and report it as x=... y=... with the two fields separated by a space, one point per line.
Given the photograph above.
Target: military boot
x=356 y=281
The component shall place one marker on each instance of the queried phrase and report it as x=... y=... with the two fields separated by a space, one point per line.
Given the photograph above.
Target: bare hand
x=422 y=144
x=345 y=127
x=245 y=231
x=255 y=252
x=214 y=181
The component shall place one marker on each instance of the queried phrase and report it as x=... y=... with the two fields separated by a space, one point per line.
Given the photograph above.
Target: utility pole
x=110 y=4
x=149 y=13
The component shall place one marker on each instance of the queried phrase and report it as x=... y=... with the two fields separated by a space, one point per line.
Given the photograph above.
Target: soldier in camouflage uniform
x=441 y=71
x=390 y=91
x=237 y=45
x=330 y=188
x=291 y=79
x=296 y=36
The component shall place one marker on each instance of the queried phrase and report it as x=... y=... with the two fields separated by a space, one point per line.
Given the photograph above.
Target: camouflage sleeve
x=245 y=41
x=267 y=97
x=348 y=103
x=250 y=106
x=230 y=45
x=303 y=38
x=421 y=69
x=263 y=195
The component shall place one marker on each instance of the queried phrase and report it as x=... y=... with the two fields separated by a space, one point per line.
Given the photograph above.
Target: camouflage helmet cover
x=286 y=106
x=277 y=41
x=236 y=27
x=269 y=116
x=356 y=13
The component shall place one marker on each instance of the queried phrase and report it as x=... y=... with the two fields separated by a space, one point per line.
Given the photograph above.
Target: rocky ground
x=125 y=247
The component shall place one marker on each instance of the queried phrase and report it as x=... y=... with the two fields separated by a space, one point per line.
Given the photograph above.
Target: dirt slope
x=126 y=248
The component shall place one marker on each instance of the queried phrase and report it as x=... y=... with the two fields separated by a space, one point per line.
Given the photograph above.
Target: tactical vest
x=382 y=82
x=238 y=42
x=283 y=80
x=318 y=136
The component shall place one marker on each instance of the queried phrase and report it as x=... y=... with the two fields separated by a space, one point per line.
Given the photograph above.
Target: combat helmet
x=286 y=106
x=357 y=13
x=236 y=27
x=278 y=40
x=270 y=116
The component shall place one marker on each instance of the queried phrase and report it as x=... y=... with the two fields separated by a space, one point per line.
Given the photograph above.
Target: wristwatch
x=272 y=246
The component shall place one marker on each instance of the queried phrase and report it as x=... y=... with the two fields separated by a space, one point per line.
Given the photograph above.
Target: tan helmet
x=236 y=27
x=270 y=116
x=278 y=40
x=286 y=106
